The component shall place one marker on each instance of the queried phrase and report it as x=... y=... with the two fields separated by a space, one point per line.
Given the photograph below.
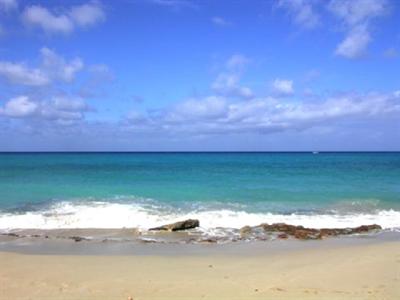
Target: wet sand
x=366 y=270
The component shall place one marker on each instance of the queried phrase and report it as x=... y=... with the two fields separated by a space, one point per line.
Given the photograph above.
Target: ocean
x=222 y=190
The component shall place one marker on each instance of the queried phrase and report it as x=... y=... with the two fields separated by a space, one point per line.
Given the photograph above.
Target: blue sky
x=168 y=75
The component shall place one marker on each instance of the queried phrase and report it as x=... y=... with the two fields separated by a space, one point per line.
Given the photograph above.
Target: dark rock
x=305 y=234
x=366 y=228
x=148 y=241
x=283 y=236
x=78 y=238
x=183 y=225
x=208 y=241
x=12 y=234
x=302 y=233
x=244 y=231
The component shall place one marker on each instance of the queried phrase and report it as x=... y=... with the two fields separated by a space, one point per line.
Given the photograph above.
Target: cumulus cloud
x=19 y=73
x=19 y=107
x=77 y=16
x=283 y=87
x=53 y=67
x=227 y=82
x=57 y=67
x=62 y=110
x=355 y=43
x=211 y=116
x=302 y=11
x=208 y=108
x=87 y=14
x=218 y=115
x=354 y=12
x=356 y=17
x=38 y=16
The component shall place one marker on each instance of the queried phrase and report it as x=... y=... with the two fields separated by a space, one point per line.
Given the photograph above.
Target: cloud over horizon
x=218 y=115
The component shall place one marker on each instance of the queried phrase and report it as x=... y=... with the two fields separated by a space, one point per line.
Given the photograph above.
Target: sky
x=207 y=75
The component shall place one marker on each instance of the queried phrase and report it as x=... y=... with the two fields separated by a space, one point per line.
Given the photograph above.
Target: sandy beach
x=341 y=272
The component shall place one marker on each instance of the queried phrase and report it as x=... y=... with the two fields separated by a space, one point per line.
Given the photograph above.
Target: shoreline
x=367 y=269
x=129 y=242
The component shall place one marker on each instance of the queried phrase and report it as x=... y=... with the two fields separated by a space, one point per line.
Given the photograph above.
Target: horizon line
x=198 y=151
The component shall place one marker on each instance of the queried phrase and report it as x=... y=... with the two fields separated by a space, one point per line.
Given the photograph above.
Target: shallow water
x=117 y=242
x=224 y=191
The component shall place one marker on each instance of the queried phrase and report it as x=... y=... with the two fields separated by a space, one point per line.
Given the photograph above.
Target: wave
x=95 y=214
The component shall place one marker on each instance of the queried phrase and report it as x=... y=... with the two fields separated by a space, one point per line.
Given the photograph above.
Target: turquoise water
x=278 y=183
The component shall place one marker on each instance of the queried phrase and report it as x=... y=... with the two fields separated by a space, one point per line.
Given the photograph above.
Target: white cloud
x=220 y=21
x=19 y=107
x=19 y=73
x=218 y=115
x=355 y=12
x=53 y=67
x=87 y=14
x=77 y=16
x=355 y=43
x=209 y=107
x=57 y=67
x=227 y=83
x=39 y=16
x=68 y=104
x=302 y=11
x=62 y=110
x=283 y=87
x=356 y=16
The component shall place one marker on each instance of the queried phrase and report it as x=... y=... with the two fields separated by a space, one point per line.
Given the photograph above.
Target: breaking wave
x=144 y=215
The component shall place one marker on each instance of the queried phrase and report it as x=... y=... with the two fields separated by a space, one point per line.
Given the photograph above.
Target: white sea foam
x=119 y=215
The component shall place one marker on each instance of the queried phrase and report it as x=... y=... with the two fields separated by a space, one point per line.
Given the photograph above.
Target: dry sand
x=347 y=272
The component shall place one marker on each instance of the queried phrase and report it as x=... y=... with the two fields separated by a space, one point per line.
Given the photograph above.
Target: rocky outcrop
x=183 y=225
x=78 y=238
x=302 y=233
x=245 y=231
